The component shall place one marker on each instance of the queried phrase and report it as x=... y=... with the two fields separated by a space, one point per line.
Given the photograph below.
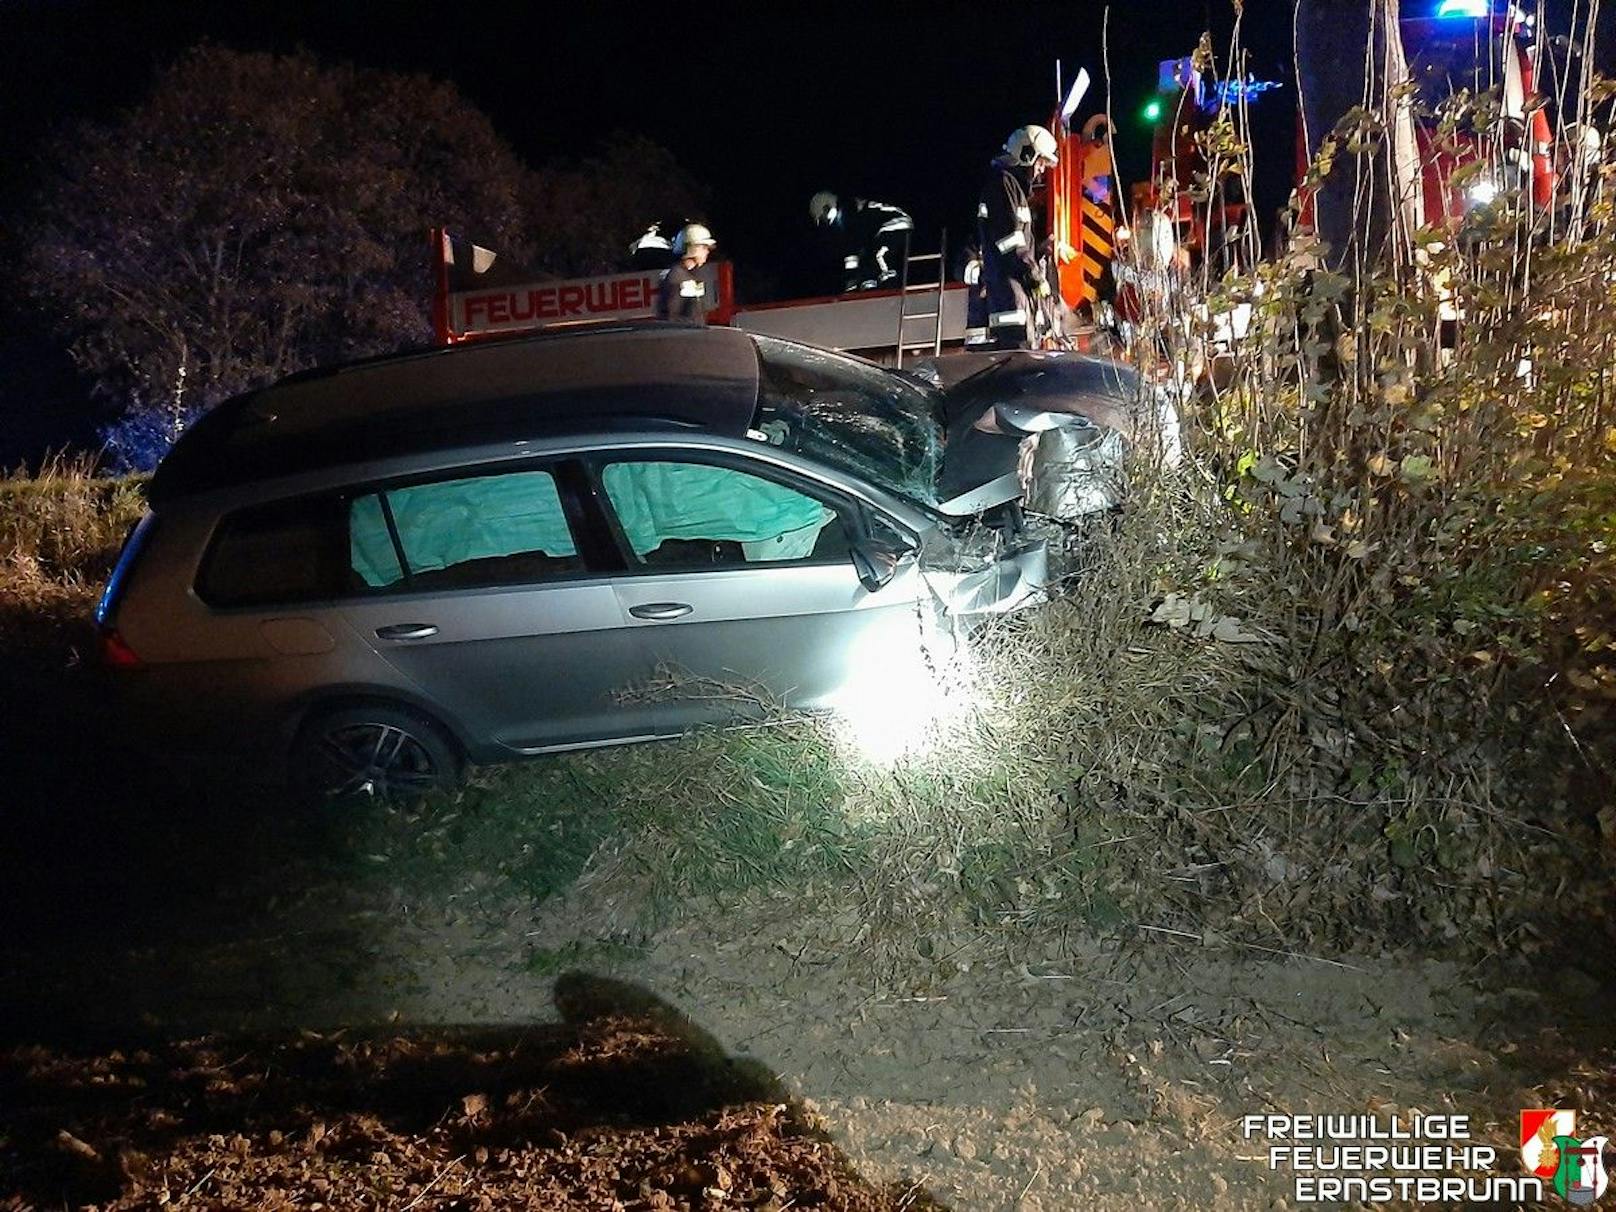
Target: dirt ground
x=1068 y=1072
x=163 y=960
x=614 y=1106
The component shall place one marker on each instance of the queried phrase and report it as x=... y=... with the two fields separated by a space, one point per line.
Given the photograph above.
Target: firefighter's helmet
x=822 y=207
x=652 y=241
x=690 y=235
x=1027 y=145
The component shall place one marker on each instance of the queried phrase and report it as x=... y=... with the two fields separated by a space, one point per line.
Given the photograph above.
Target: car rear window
x=287 y=551
x=469 y=532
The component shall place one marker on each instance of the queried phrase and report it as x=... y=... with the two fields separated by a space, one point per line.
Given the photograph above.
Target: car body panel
x=525 y=667
x=791 y=636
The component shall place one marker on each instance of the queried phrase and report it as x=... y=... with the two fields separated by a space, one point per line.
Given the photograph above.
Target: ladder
x=907 y=340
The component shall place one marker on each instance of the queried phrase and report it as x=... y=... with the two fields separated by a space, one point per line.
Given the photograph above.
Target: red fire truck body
x=864 y=322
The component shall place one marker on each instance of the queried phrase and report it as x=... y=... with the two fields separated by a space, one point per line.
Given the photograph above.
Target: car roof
x=599 y=380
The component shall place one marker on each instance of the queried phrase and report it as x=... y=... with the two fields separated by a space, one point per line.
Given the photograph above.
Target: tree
x=256 y=215
x=260 y=214
x=586 y=213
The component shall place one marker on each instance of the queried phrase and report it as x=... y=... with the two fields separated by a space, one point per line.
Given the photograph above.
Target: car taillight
x=115 y=650
x=116 y=653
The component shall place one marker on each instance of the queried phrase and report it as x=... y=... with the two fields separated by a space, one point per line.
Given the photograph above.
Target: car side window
x=284 y=551
x=470 y=532
x=702 y=515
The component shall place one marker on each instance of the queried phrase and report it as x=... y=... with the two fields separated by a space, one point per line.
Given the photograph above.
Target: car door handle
x=407 y=631
x=661 y=611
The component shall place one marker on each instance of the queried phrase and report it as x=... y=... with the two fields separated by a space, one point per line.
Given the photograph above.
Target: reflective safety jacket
x=1010 y=272
x=683 y=295
x=872 y=238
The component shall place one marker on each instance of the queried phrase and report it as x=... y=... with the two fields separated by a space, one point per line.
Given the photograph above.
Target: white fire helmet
x=1029 y=144
x=822 y=207
x=652 y=241
x=690 y=235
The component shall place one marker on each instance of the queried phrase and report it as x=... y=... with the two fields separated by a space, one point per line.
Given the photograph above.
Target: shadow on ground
x=625 y=1103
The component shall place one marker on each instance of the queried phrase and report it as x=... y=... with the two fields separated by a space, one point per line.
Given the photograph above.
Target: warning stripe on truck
x=1098 y=246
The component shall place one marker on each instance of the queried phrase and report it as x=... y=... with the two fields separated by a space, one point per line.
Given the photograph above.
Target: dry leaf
x=1227 y=629
x=1174 y=611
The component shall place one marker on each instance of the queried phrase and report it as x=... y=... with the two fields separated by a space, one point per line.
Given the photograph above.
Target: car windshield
x=851 y=415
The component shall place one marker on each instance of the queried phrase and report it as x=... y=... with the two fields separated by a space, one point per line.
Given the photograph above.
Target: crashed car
x=381 y=572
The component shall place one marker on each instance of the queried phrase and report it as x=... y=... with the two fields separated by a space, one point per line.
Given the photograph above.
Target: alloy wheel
x=377 y=760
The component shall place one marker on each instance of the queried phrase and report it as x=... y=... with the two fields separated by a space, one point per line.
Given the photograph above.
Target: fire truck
x=1446 y=48
x=478 y=296
x=1474 y=45
x=476 y=299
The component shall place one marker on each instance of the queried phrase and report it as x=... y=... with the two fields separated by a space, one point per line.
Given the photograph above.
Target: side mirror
x=877 y=561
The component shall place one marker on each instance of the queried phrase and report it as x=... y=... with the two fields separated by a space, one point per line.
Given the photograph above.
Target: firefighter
x=684 y=294
x=651 y=251
x=1015 y=283
x=968 y=269
x=869 y=238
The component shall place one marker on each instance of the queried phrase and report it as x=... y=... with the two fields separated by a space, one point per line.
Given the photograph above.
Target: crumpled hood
x=1107 y=392
x=1060 y=423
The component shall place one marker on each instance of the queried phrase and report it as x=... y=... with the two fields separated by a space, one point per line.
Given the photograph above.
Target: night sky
x=764 y=103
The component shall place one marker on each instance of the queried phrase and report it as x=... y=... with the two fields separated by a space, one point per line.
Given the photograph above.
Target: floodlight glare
x=906 y=692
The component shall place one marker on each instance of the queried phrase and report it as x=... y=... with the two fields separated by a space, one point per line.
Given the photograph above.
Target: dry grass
x=60 y=530
x=1414 y=532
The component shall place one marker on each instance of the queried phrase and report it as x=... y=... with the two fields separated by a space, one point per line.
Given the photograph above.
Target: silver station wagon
x=386 y=570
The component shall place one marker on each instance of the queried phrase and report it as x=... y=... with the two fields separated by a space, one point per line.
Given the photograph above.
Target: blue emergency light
x=1464 y=8
x=1232 y=92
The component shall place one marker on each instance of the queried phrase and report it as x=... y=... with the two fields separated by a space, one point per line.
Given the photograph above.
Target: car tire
x=378 y=751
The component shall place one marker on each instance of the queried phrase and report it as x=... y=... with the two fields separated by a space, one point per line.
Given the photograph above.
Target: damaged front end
x=1074 y=471
x=1067 y=424
x=990 y=558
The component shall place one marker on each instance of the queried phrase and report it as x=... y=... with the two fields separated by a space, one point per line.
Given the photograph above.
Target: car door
x=480 y=587
x=741 y=587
